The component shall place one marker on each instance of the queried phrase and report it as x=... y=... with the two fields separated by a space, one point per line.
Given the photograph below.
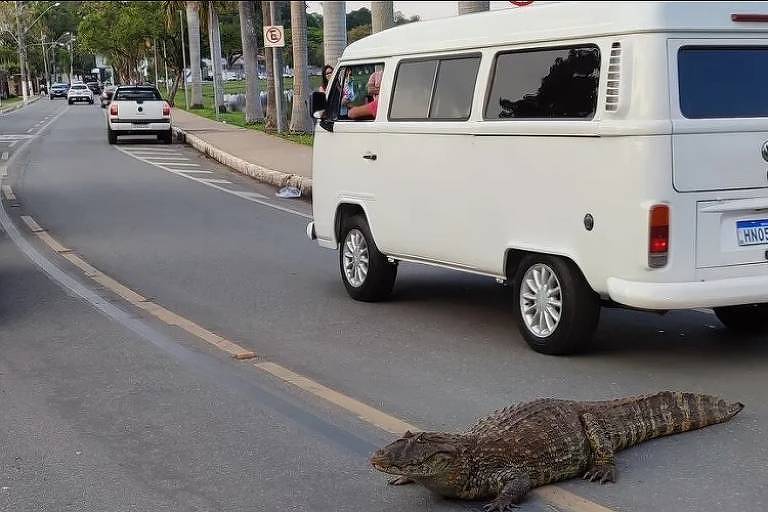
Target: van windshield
x=723 y=81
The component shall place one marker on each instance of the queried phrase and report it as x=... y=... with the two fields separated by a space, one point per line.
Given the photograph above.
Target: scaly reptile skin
x=510 y=452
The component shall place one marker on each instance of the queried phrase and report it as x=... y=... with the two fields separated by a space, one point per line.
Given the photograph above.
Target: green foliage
x=358 y=18
x=358 y=32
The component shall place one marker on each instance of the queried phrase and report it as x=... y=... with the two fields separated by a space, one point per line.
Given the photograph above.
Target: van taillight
x=166 y=110
x=658 y=239
x=113 y=109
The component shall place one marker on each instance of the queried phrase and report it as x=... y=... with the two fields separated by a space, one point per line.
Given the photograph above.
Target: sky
x=427 y=10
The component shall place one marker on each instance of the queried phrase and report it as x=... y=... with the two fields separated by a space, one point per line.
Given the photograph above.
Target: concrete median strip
x=555 y=496
x=257 y=172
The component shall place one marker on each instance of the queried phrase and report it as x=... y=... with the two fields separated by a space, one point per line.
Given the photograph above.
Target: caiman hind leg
x=512 y=492
x=603 y=467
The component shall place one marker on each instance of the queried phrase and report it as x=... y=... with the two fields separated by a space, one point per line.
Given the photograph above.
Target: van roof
x=556 y=21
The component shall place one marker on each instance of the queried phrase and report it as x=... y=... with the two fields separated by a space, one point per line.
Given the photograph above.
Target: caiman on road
x=510 y=452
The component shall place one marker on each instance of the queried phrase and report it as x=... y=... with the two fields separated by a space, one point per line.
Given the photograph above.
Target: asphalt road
x=104 y=417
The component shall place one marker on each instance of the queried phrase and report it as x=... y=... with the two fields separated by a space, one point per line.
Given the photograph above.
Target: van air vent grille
x=614 y=78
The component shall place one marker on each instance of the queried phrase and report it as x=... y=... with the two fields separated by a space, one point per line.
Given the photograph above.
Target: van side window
x=545 y=84
x=355 y=86
x=435 y=89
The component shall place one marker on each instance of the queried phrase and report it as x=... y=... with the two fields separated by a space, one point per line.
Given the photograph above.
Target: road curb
x=257 y=172
x=20 y=105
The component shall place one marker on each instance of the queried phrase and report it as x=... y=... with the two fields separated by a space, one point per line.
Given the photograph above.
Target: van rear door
x=719 y=92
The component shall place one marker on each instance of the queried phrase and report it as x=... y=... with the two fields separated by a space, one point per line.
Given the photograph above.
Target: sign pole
x=184 y=59
x=279 y=43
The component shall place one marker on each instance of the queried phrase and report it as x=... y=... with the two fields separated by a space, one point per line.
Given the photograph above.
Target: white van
x=590 y=154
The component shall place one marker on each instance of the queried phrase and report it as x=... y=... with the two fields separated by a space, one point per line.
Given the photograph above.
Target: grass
x=10 y=101
x=238 y=118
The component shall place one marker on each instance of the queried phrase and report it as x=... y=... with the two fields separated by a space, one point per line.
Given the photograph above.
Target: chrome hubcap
x=541 y=300
x=355 y=258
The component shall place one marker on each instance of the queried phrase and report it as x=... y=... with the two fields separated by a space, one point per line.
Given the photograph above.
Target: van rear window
x=137 y=94
x=548 y=83
x=723 y=82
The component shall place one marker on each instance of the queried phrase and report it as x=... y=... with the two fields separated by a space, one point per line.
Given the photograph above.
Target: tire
x=90 y=102
x=111 y=136
x=69 y=101
x=51 y=97
x=566 y=330
x=166 y=138
x=744 y=319
x=377 y=283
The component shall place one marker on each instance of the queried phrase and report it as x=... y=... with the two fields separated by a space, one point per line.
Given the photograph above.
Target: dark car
x=58 y=91
x=106 y=95
x=94 y=87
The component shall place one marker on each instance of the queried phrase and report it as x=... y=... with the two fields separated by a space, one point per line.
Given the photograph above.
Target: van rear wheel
x=556 y=310
x=366 y=273
x=746 y=318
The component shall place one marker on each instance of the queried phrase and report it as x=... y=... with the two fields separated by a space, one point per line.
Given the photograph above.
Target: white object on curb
x=288 y=192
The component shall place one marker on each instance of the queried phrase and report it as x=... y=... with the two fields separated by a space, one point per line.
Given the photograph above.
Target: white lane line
x=166 y=157
x=30 y=130
x=8 y=193
x=704 y=310
x=195 y=171
x=4 y=156
x=253 y=199
x=214 y=180
x=12 y=143
x=148 y=148
x=163 y=164
x=250 y=195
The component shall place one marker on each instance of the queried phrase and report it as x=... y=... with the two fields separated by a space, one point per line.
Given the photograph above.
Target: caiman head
x=424 y=454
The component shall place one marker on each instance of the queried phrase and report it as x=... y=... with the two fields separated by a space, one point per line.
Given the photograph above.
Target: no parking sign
x=274 y=36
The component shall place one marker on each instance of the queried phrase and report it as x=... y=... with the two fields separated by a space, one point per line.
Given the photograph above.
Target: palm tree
x=253 y=111
x=214 y=37
x=196 y=76
x=300 y=120
x=271 y=119
x=335 y=31
x=470 y=7
x=382 y=16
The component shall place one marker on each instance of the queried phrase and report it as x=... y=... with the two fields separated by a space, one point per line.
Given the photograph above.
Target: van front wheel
x=366 y=273
x=557 y=311
x=747 y=318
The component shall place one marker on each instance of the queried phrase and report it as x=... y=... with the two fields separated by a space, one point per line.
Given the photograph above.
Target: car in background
x=106 y=95
x=79 y=92
x=58 y=91
x=94 y=87
x=138 y=110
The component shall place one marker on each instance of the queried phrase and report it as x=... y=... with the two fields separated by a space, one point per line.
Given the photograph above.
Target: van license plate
x=139 y=126
x=752 y=232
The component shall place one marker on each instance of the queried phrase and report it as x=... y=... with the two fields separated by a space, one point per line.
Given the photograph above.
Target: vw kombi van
x=588 y=154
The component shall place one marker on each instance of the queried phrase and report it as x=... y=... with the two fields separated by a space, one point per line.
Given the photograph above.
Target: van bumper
x=686 y=295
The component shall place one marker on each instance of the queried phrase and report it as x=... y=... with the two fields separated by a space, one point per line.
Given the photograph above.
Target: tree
x=214 y=39
x=270 y=121
x=358 y=18
x=382 y=16
x=358 y=33
x=335 y=27
x=196 y=75
x=253 y=110
x=300 y=120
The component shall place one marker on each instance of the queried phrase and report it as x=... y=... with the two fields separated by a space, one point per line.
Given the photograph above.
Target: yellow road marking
x=8 y=193
x=551 y=494
x=365 y=412
x=30 y=222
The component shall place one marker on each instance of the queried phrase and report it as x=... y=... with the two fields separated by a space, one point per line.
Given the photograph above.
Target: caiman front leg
x=603 y=466
x=512 y=492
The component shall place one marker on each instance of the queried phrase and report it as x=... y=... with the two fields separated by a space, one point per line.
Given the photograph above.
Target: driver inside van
x=367 y=111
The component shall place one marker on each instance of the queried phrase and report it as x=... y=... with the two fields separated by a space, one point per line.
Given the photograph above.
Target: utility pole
x=45 y=61
x=71 y=59
x=154 y=40
x=22 y=52
x=278 y=75
x=165 y=62
x=184 y=59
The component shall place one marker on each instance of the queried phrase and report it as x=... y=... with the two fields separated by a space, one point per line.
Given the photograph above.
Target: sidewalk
x=266 y=158
x=18 y=105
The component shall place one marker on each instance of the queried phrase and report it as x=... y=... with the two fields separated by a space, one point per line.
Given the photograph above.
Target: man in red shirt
x=368 y=111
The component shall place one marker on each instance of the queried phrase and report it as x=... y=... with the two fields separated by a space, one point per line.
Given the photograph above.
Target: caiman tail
x=630 y=421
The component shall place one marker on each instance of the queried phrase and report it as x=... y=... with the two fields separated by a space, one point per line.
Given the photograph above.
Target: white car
x=138 y=110
x=614 y=156
x=79 y=92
